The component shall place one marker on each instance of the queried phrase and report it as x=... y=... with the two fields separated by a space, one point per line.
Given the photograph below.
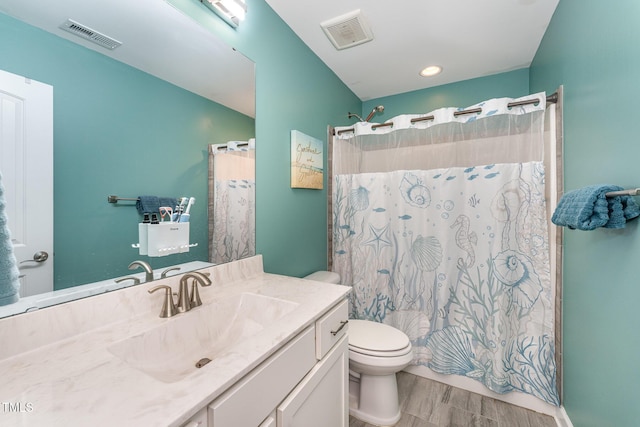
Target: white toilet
x=376 y=353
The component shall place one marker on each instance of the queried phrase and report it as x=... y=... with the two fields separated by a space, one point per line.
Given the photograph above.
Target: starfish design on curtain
x=378 y=238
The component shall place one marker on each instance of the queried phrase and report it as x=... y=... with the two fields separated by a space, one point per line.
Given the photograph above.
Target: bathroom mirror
x=134 y=120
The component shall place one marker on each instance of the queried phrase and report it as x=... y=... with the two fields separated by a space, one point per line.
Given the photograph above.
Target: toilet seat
x=381 y=354
x=377 y=339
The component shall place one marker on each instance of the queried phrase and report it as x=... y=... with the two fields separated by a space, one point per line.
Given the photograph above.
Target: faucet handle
x=168 y=307
x=165 y=272
x=136 y=281
x=195 y=294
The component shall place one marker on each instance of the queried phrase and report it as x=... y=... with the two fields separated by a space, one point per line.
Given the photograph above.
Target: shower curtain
x=231 y=201
x=441 y=228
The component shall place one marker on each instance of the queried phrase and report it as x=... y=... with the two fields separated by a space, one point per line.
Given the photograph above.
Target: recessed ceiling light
x=431 y=70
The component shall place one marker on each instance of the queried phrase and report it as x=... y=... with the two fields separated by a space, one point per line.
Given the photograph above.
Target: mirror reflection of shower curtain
x=232 y=201
x=441 y=228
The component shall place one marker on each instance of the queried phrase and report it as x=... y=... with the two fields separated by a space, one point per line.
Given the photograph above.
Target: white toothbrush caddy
x=166 y=238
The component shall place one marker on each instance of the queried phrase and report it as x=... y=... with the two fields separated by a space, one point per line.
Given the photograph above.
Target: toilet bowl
x=376 y=353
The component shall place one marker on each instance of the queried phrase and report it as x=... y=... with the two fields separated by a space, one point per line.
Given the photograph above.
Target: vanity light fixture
x=431 y=71
x=232 y=11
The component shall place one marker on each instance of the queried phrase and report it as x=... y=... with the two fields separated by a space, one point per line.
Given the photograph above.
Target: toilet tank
x=324 y=276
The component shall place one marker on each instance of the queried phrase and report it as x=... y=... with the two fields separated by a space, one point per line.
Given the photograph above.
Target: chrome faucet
x=185 y=301
x=146 y=267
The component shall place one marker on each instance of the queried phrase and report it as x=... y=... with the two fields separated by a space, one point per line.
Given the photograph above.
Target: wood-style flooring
x=428 y=403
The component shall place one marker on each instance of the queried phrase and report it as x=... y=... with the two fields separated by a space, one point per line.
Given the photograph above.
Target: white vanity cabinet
x=304 y=384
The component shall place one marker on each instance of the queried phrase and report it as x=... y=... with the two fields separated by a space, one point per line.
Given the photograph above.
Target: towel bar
x=114 y=199
x=632 y=192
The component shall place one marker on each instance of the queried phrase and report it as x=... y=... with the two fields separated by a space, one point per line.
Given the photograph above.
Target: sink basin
x=171 y=351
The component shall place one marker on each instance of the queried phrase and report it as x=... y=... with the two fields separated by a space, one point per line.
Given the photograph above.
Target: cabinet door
x=321 y=399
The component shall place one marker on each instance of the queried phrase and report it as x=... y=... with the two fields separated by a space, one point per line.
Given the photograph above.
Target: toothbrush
x=185 y=216
x=192 y=201
x=178 y=213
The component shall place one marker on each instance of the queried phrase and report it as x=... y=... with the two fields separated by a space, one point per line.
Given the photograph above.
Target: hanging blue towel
x=620 y=214
x=9 y=274
x=589 y=208
x=151 y=204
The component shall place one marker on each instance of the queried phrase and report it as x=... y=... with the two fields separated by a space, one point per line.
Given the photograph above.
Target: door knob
x=40 y=256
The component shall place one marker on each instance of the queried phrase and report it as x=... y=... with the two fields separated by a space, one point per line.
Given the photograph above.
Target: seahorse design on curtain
x=458 y=259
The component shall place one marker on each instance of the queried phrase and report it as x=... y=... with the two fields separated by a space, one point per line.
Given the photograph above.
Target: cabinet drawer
x=331 y=327
x=253 y=398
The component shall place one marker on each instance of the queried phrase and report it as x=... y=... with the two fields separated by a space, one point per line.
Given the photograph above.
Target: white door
x=26 y=164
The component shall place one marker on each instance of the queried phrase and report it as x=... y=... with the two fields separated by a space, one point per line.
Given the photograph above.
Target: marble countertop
x=76 y=381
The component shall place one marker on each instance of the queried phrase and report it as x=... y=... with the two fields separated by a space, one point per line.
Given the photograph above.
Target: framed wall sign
x=306 y=161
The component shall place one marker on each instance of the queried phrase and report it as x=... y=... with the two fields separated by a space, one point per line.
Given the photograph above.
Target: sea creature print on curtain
x=458 y=259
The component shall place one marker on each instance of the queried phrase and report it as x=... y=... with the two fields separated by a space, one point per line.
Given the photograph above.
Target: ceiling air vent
x=347 y=30
x=87 y=33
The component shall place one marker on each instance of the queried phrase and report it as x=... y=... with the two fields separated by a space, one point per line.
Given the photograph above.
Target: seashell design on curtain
x=441 y=228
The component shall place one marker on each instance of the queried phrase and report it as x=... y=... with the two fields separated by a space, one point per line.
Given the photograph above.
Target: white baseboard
x=562 y=419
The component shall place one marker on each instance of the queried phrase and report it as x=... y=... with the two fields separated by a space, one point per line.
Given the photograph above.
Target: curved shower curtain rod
x=551 y=99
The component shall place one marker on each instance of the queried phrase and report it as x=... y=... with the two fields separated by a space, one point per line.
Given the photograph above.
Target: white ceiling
x=467 y=38
x=156 y=38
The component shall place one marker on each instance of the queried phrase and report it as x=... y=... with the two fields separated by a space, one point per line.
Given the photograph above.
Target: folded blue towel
x=589 y=208
x=9 y=274
x=151 y=204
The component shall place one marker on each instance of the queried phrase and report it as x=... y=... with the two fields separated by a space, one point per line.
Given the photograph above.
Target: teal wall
x=591 y=48
x=117 y=131
x=512 y=84
x=294 y=90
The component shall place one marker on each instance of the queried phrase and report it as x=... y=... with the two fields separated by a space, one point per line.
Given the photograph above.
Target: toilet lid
x=376 y=337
